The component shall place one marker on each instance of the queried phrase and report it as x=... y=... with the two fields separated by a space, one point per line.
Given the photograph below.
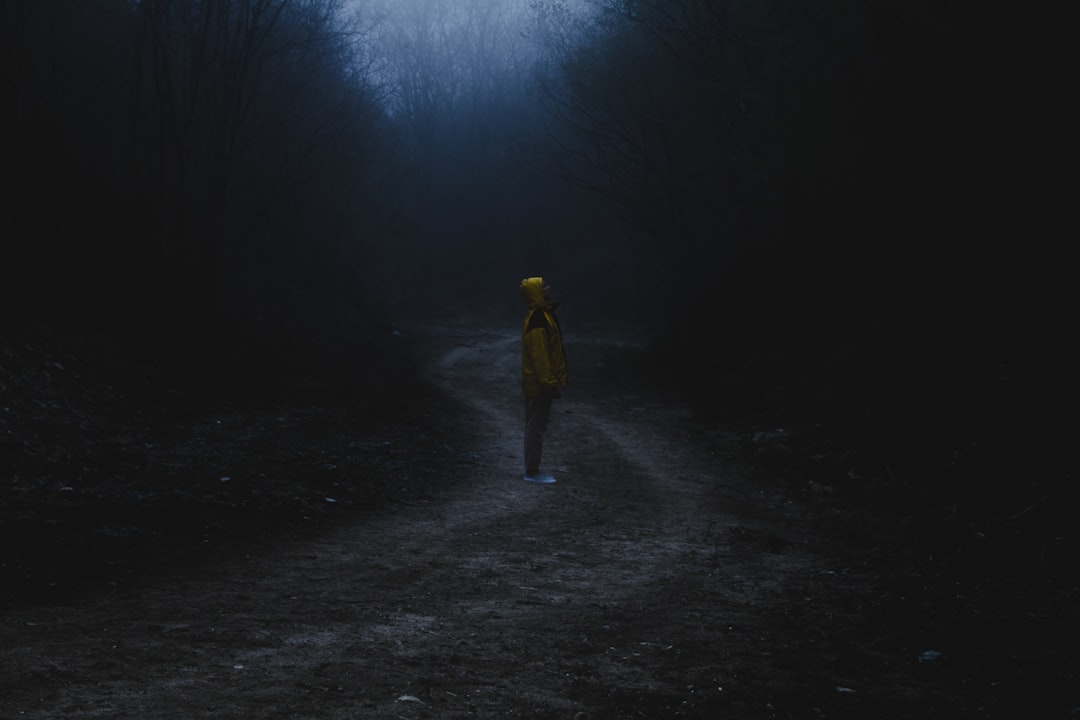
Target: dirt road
x=656 y=579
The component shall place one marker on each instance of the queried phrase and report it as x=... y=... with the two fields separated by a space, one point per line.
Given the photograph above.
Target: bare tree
x=248 y=110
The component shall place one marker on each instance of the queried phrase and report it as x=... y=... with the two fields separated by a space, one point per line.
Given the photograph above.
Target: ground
x=313 y=553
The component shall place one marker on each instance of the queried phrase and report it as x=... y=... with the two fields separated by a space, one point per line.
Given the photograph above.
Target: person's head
x=535 y=292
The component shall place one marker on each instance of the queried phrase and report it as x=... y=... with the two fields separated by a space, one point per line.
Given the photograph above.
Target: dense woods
x=186 y=170
x=258 y=283
x=824 y=213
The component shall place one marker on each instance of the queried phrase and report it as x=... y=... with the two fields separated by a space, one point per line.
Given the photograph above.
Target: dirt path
x=653 y=581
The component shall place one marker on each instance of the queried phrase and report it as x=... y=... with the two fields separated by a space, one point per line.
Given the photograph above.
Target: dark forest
x=833 y=218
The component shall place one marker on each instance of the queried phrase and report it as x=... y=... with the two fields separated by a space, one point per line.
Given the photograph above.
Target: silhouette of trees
x=797 y=161
x=203 y=169
x=200 y=160
x=826 y=203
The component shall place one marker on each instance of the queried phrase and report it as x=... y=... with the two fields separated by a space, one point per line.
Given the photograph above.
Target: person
x=543 y=370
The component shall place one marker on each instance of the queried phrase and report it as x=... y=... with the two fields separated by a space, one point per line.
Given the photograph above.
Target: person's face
x=547 y=291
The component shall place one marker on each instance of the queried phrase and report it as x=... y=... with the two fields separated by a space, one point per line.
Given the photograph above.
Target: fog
x=463 y=85
x=821 y=238
x=730 y=177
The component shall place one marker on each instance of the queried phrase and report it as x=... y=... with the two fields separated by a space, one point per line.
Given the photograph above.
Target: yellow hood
x=532 y=292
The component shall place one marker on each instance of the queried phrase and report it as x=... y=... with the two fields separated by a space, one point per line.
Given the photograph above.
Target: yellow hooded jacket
x=543 y=360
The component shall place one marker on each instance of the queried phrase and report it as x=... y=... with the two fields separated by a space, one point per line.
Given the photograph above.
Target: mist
x=750 y=187
x=798 y=176
x=755 y=189
x=809 y=249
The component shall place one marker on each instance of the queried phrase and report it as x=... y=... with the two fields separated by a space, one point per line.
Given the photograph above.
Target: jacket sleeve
x=537 y=353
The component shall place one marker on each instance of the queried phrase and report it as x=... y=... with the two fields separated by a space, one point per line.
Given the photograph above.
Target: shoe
x=541 y=478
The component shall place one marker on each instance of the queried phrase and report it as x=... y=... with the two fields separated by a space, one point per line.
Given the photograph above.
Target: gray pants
x=537 y=412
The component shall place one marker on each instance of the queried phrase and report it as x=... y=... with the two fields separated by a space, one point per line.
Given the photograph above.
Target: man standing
x=543 y=370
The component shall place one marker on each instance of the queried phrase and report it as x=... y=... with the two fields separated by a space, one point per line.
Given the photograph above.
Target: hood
x=532 y=292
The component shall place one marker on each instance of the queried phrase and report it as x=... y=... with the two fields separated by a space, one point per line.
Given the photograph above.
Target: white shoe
x=541 y=478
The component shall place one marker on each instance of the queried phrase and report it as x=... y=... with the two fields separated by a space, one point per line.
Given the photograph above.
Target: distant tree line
x=730 y=172
x=198 y=175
